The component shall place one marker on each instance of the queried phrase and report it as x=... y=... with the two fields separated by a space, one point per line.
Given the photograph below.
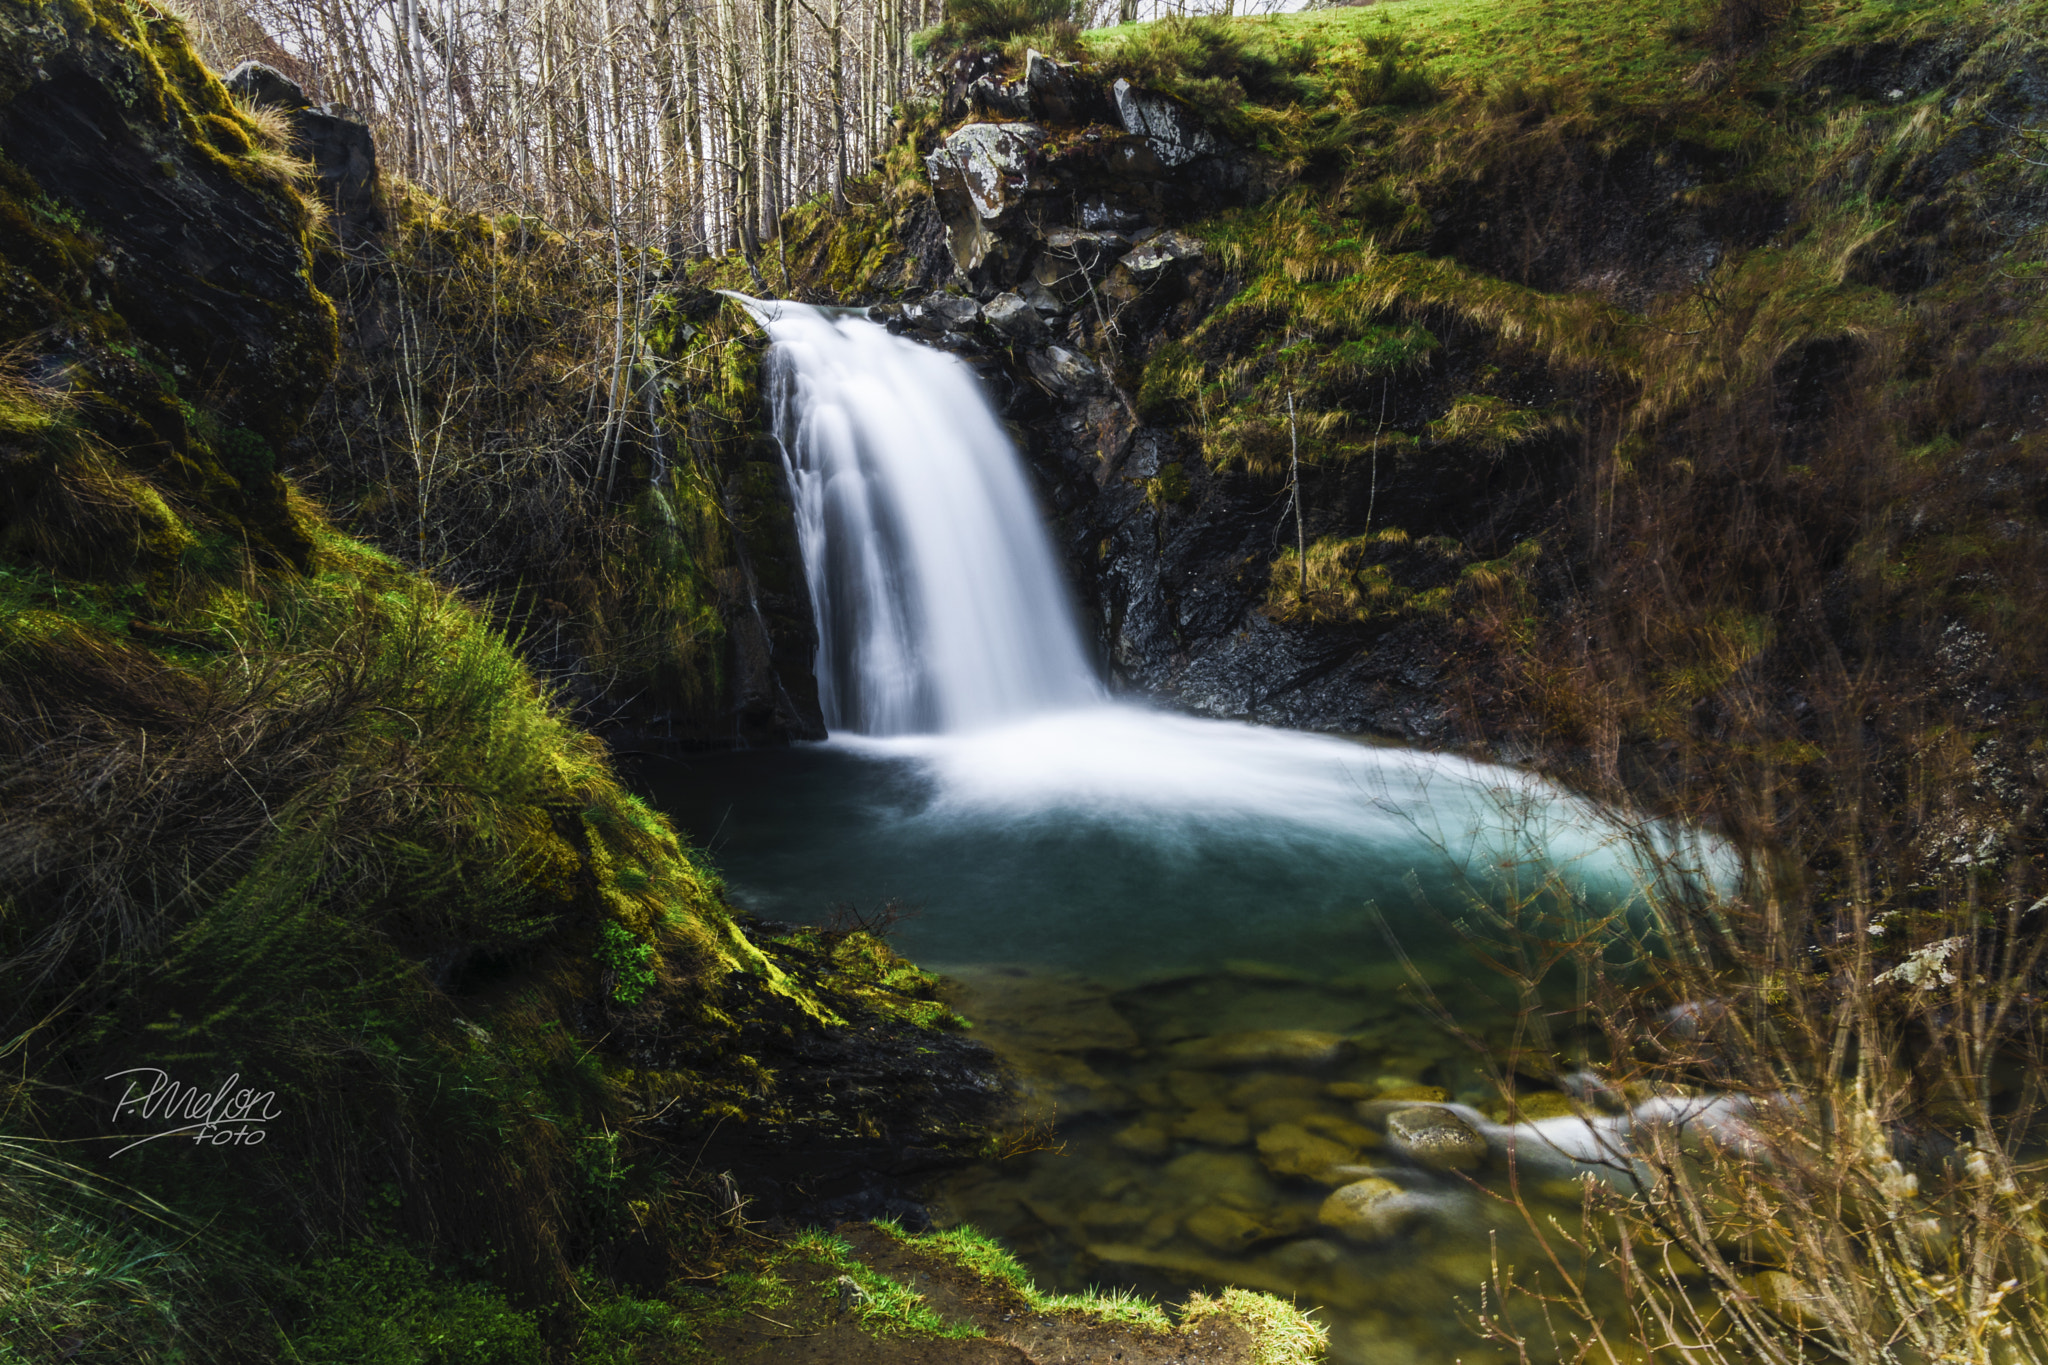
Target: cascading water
x=1161 y=921
x=949 y=660
x=939 y=605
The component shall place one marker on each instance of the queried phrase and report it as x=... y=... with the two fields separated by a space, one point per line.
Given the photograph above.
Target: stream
x=1179 y=933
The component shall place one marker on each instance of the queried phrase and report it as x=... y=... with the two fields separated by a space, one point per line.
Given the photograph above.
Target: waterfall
x=939 y=603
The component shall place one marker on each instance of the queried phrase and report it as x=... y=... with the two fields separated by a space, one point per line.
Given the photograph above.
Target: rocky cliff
x=1557 y=385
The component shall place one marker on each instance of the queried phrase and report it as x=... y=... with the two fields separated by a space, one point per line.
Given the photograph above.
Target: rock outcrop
x=155 y=266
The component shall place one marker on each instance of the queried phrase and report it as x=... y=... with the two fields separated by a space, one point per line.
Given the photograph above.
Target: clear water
x=1127 y=843
x=1112 y=890
x=1165 y=925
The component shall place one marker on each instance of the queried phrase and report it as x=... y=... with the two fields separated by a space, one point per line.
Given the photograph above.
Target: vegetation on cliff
x=1677 y=371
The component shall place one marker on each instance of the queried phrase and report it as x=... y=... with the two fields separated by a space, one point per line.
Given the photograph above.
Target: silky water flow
x=1177 y=931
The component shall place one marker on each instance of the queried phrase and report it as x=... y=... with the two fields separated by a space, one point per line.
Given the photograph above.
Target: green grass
x=884 y=1306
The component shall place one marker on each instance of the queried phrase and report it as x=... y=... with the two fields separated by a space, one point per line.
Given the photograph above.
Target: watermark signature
x=224 y=1117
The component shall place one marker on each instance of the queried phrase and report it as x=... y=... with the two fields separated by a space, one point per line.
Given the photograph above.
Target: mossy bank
x=356 y=1011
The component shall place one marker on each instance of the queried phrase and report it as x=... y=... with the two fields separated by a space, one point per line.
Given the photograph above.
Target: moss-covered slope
x=283 y=818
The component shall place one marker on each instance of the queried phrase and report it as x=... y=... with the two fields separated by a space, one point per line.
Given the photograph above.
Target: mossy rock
x=155 y=264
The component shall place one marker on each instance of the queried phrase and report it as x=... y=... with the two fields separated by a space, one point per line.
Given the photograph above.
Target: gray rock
x=1436 y=1137
x=1016 y=319
x=950 y=312
x=991 y=160
x=1074 y=260
x=1066 y=373
x=1172 y=131
x=1041 y=298
x=265 y=85
x=1051 y=91
x=1003 y=101
x=1102 y=211
x=1151 y=261
x=344 y=156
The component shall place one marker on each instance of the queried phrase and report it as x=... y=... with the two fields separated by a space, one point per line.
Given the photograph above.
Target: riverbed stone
x=1193 y=1089
x=1231 y=1178
x=1436 y=1137
x=1532 y=1105
x=1342 y=1130
x=1148 y=1137
x=1395 y=1088
x=1225 y=1228
x=1290 y=1150
x=1369 y=1210
x=1214 y=1125
x=1042 y=1012
x=1112 y=1215
x=1264 y=1047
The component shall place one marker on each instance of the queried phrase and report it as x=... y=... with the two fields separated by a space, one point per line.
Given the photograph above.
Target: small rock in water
x=1214 y=1125
x=1342 y=1131
x=1144 y=1139
x=1289 y=1149
x=1370 y=1209
x=1351 y=1090
x=1544 y=1104
x=1112 y=1214
x=1225 y=1229
x=1193 y=1089
x=1394 y=1088
x=1265 y=1047
x=1436 y=1137
x=1231 y=1178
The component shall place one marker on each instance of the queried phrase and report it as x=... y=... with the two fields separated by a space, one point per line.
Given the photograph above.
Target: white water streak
x=938 y=601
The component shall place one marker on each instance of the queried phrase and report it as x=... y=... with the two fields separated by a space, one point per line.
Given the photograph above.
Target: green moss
x=378 y=1304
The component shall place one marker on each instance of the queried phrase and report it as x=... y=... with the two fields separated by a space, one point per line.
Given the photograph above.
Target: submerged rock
x=1371 y=1209
x=1436 y=1137
x=1214 y=1125
x=1289 y=1149
x=1265 y=1047
x=1145 y=1138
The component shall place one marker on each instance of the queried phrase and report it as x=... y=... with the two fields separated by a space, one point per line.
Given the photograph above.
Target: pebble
x=1436 y=1137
